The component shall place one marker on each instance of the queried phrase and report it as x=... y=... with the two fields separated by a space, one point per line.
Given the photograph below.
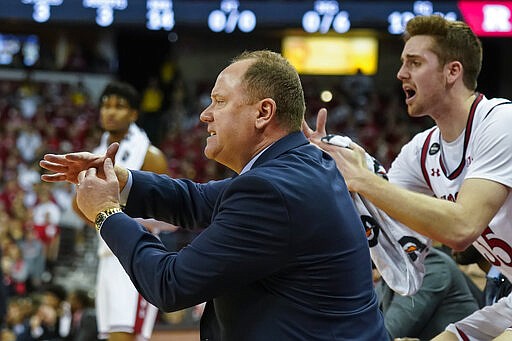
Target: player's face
x=231 y=119
x=422 y=77
x=116 y=115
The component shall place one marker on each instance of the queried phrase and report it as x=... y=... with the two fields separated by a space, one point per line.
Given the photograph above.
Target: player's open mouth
x=409 y=93
x=212 y=133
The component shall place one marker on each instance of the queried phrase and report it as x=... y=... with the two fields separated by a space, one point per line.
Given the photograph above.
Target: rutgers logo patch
x=434 y=148
x=372 y=229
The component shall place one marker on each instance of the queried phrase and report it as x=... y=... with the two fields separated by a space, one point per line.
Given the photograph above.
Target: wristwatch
x=100 y=217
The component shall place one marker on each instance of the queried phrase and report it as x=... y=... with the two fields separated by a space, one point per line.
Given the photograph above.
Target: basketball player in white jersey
x=122 y=313
x=452 y=182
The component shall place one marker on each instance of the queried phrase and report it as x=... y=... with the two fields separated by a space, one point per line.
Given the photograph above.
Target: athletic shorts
x=119 y=307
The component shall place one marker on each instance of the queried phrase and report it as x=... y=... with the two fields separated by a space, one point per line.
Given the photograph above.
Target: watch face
x=100 y=218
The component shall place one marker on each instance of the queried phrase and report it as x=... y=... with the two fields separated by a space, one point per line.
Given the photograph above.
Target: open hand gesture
x=350 y=161
x=66 y=167
x=314 y=136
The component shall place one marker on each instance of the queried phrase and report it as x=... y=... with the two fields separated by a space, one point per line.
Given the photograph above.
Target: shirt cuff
x=123 y=196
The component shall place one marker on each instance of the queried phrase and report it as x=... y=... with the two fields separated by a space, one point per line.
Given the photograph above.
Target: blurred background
x=57 y=55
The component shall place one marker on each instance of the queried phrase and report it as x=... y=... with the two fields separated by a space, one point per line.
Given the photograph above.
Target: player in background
x=453 y=181
x=122 y=313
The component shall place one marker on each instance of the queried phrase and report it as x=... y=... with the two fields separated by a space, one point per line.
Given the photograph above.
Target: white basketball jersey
x=131 y=154
x=484 y=151
x=119 y=307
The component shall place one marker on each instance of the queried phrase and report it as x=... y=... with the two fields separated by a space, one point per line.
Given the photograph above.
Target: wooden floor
x=162 y=335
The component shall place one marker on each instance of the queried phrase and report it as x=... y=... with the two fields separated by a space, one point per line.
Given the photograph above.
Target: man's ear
x=266 y=112
x=454 y=71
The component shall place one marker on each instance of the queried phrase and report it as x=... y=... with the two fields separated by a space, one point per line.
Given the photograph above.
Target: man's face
x=231 y=119
x=423 y=79
x=116 y=115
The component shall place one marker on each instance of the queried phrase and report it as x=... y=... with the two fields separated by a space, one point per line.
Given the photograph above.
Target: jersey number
x=492 y=245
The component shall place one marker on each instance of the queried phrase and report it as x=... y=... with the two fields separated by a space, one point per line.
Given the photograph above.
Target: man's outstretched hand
x=351 y=162
x=314 y=136
x=66 y=167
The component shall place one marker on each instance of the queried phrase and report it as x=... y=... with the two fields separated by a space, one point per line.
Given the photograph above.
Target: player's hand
x=95 y=194
x=156 y=226
x=66 y=167
x=351 y=162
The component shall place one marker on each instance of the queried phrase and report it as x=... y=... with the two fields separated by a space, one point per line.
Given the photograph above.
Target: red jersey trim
x=462 y=334
x=424 y=152
x=467 y=135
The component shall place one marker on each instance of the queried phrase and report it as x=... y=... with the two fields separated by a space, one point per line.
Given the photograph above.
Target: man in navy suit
x=283 y=255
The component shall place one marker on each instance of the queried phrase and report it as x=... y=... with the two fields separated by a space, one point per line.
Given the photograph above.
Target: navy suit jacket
x=284 y=255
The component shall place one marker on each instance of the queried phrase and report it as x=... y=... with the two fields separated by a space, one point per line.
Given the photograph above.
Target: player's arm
x=155 y=161
x=456 y=224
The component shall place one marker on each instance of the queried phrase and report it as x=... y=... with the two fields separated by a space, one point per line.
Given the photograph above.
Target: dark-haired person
x=122 y=313
x=453 y=181
x=283 y=255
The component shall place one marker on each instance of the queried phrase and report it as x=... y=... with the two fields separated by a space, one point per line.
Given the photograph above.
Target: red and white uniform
x=119 y=306
x=429 y=165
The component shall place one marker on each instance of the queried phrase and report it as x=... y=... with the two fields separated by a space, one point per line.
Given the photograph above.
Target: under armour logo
x=435 y=172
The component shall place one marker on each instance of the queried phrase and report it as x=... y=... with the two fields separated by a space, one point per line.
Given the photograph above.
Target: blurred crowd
x=38 y=118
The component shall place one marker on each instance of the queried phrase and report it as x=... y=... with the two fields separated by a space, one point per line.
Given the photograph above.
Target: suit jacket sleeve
x=247 y=240
x=180 y=202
